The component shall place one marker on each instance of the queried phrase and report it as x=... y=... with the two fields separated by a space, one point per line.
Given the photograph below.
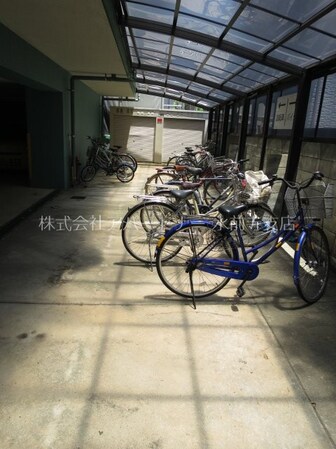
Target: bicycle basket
x=317 y=201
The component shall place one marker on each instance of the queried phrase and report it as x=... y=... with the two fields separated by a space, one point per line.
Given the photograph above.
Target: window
x=237 y=117
x=256 y=116
x=282 y=112
x=321 y=112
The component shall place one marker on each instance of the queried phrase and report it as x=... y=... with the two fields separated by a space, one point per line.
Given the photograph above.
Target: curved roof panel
x=216 y=50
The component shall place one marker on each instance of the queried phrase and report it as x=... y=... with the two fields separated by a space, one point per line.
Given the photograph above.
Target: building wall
x=48 y=108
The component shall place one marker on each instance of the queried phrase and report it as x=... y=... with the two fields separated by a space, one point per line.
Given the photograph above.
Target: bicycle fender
x=125 y=218
x=297 y=255
x=146 y=198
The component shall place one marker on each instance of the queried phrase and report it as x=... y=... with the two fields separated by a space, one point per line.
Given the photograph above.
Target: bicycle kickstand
x=192 y=289
x=150 y=256
x=240 y=289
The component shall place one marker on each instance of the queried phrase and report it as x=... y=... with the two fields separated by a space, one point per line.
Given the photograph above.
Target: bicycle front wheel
x=177 y=251
x=125 y=173
x=124 y=158
x=88 y=173
x=311 y=265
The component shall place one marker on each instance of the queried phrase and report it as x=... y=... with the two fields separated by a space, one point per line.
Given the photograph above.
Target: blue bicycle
x=198 y=257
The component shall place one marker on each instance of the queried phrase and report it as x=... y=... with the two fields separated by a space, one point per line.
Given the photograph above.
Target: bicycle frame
x=247 y=269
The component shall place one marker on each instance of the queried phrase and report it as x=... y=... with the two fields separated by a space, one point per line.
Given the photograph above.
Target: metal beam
x=225 y=130
x=172 y=97
x=187 y=77
x=172 y=86
x=267 y=117
x=243 y=130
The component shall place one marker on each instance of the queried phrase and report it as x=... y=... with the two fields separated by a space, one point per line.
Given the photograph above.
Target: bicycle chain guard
x=233 y=269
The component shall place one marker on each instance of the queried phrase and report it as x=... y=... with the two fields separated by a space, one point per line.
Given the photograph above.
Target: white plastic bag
x=257 y=192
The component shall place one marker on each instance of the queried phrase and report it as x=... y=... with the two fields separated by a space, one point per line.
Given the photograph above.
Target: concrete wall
x=276 y=156
x=253 y=152
x=321 y=156
x=314 y=156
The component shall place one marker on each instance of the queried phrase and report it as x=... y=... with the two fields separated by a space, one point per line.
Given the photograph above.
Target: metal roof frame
x=243 y=80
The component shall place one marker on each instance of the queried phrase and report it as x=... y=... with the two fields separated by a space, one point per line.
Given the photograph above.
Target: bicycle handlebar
x=315 y=176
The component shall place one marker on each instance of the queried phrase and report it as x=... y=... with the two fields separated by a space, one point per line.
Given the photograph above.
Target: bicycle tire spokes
x=193 y=244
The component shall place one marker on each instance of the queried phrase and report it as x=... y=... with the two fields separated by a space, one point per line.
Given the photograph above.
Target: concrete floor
x=96 y=353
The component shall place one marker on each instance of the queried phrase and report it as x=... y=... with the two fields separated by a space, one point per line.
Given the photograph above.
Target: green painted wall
x=88 y=112
x=48 y=109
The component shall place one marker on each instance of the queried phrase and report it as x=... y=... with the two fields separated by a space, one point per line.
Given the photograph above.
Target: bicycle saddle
x=182 y=194
x=194 y=170
x=228 y=211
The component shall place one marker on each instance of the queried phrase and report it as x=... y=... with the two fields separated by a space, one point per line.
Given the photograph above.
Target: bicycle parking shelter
x=263 y=69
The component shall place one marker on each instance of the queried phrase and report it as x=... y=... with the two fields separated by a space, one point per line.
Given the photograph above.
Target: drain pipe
x=72 y=130
x=112 y=78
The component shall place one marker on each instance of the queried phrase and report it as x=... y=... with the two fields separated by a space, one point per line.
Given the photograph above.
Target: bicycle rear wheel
x=311 y=265
x=176 y=252
x=213 y=188
x=172 y=160
x=143 y=225
x=158 y=180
